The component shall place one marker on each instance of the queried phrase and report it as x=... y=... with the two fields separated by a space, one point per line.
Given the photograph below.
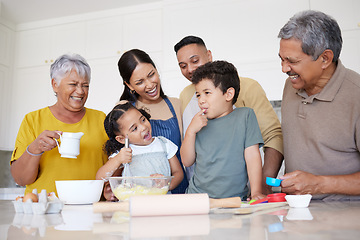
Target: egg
x=31 y=196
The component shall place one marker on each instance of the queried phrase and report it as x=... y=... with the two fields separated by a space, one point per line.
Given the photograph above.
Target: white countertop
x=332 y=220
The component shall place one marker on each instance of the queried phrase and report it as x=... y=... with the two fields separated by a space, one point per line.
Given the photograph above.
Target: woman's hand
x=44 y=142
x=25 y=169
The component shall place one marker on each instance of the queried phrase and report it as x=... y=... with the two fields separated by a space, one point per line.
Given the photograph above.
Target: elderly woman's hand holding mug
x=44 y=142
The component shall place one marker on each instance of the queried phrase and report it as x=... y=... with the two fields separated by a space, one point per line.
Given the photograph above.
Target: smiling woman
x=142 y=87
x=35 y=161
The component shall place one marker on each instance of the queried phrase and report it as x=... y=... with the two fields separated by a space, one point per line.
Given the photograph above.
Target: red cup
x=276 y=197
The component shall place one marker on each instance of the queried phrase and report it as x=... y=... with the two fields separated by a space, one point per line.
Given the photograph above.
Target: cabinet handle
x=51 y=60
x=46 y=61
x=118 y=52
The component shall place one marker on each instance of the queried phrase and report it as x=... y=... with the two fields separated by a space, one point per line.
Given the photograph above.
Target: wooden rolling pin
x=170 y=204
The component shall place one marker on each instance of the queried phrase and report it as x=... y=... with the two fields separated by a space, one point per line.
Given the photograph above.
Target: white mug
x=70 y=144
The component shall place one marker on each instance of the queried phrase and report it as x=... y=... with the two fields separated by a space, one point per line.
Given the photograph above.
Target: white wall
x=243 y=32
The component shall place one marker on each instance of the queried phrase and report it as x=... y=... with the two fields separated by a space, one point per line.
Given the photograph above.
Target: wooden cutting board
x=249 y=209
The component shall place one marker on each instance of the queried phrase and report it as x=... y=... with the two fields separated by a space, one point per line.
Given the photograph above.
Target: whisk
x=126 y=171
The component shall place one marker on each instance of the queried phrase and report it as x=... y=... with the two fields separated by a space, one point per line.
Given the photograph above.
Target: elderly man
x=320 y=111
x=191 y=53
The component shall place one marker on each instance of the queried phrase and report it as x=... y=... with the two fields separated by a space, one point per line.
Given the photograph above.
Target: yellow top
x=253 y=96
x=52 y=166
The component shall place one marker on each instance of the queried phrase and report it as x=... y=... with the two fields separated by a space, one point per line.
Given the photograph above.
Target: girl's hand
x=156 y=175
x=198 y=122
x=159 y=182
x=124 y=156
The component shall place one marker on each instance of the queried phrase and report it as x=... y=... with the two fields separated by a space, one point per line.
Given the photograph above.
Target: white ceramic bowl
x=79 y=191
x=298 y=201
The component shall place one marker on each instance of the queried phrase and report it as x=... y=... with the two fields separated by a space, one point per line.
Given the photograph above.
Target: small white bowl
x=79 y=191
x=298 y=201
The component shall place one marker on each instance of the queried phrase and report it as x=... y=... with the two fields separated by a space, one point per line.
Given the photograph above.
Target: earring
x=132 y=91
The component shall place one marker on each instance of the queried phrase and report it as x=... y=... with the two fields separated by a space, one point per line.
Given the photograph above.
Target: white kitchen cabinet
x=6 y=58
x=109 y=37
x=106 y=84
x=5 y=118
x=6 y=46
x=31 y=91
x=350 y=54
x=37 y=47
x=104 y=37
x=143 y=30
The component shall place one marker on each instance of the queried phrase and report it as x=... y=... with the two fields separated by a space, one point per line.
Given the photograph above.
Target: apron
x=170 y=129
x=151 y=163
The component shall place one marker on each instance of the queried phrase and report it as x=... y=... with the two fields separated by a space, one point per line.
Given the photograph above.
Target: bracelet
x=32 y=154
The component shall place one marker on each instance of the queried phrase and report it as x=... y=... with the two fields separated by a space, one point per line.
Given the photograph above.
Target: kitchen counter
x=322 y=220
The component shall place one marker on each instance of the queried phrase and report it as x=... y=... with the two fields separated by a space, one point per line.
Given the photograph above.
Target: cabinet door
x=42 y=46
x=350 y=53
x=143 y=30
x=67 y=38
x=32 y=47
x=6 y=45
x=106 y=85
x=31 y=91
x=5 y=108
x=104 y=38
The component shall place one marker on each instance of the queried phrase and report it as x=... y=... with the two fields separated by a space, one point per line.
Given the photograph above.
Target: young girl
x=146 y=155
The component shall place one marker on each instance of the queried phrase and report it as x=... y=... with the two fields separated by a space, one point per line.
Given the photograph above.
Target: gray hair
x=317 y=32
x=67 y=62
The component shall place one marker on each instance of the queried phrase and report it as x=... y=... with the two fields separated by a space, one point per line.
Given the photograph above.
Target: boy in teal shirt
x=223 y=141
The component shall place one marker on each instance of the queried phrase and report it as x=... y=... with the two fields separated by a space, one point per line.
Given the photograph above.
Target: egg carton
x=46 y=204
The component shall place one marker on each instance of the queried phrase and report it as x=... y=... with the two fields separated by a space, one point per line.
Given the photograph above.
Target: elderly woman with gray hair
x=36 y=161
